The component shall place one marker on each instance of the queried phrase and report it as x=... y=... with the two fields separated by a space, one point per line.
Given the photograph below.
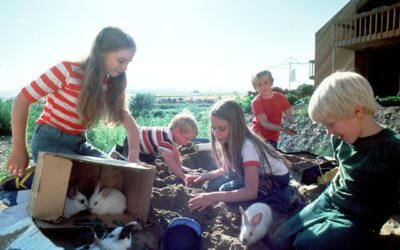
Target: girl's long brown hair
x=230 y=111
x=93 y=105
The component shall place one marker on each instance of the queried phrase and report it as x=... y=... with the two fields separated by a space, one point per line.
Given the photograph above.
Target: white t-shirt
x=251 y=158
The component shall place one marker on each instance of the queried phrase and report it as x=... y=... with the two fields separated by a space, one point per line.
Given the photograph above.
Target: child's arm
x=19 y=158
x=267 y=124
x=199 y=179
x=249 y=192
x=133 y=136
x=173 y=162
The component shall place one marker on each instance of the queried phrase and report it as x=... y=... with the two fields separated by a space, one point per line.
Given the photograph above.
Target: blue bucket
x=182 y=234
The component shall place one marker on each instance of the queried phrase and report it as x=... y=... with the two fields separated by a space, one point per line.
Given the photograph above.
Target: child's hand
x=289 y=131
x=190 y=180
x=18 y=162
x=201 y=201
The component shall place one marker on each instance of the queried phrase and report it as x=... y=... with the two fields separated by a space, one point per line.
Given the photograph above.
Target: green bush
x=245 y=101
x=302 y=105
x=5 y=116
x=292 y=98
x=305 y=90
x=104 y=137
x=388 y=101
x=141 y=104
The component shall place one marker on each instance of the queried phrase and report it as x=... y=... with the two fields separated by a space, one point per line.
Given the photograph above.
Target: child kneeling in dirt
x=153 y=140
x=363 y=195
x=248 y=168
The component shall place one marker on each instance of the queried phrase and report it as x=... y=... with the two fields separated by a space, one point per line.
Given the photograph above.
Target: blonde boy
x=181 y=130
x=364 y=193
x=267 y=108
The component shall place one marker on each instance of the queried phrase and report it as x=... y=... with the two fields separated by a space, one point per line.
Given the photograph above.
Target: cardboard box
x=54 y=172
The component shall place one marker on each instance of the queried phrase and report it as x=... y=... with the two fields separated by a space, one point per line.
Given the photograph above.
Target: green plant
x=292 y=98
x=141 y=104
x=5 y=117
x=305 y=90
x=388 y=101
x=104 y=137
x=245 y=101
x=302 y=106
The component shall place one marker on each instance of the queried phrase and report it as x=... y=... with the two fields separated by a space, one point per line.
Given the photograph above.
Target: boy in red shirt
x=267 y=108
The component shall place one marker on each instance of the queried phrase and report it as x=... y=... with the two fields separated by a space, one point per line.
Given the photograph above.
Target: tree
x=141 y=104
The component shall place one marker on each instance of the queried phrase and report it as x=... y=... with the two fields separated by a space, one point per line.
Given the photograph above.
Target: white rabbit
x=107 y=201
x=256 y=221
x=75 y=202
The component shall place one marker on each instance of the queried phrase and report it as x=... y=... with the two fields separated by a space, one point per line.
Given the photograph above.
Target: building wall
x=327 y=59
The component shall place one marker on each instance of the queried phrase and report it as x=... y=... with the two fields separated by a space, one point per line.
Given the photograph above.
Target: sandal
x=14 y=183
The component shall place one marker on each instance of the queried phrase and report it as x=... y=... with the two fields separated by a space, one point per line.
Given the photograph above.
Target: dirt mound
x=220 y=222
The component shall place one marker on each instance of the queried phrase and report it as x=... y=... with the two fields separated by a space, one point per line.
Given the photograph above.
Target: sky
x=182 y=45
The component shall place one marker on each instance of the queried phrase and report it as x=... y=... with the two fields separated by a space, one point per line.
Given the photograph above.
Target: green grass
x=103 y=137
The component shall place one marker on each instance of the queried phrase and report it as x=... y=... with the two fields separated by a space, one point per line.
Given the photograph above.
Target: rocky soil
x=221 y=222
x=313 y=137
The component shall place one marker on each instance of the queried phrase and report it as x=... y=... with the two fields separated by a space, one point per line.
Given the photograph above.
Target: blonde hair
x=231 y=112
x=93 y=105
x=337 y=94
x=264 y=73
x=185 y=122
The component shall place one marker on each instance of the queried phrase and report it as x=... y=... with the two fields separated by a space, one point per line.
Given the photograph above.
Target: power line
x=288 y=64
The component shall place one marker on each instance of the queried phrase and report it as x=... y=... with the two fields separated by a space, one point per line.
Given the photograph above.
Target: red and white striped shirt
x=154 y=138
x=62 y=85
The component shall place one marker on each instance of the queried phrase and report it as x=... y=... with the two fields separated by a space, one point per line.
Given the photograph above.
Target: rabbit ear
x=126 y=232
x=256 y=219
x=96 y=239
x=244 y=215
x=105 y=192
x=72 y=192
x=97 y=189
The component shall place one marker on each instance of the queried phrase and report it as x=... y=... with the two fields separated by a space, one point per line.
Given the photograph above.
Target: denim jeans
x=51 y=139
x=278 y=196
x=228 y=182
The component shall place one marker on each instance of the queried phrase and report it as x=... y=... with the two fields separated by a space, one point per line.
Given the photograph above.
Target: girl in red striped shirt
x=79 y=94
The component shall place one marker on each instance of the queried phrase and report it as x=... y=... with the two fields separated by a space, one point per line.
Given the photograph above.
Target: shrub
x=305 y=90
x=292 y=98
x=388 y=101
x=302 y=105
x=278 y=89
x=5 y=117
x=245 y=101
x=141 y=104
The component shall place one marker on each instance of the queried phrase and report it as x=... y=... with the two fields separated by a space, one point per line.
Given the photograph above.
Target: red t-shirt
x=273 y=108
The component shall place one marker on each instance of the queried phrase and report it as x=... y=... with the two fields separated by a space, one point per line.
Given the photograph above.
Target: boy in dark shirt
x=364 y=194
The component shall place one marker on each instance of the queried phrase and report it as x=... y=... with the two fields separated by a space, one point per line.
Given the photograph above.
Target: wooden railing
x=380 y=23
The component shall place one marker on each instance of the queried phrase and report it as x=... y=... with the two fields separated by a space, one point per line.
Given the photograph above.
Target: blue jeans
x=51 y=139
x=278 y=195
x=227 y=182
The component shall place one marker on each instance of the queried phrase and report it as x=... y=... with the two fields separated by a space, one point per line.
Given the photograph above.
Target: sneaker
x=13 y=183
x=117 y=156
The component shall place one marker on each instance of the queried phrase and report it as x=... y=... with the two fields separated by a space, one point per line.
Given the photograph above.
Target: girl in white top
x=248 y=168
